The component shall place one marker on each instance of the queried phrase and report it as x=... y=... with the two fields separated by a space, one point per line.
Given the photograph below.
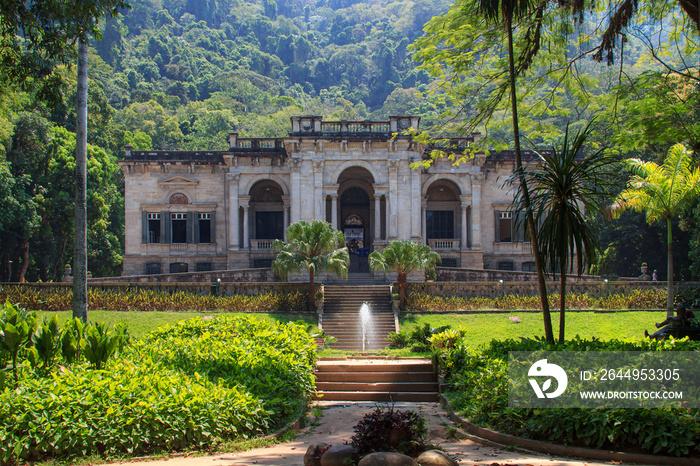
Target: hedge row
x=55 y=300
x=637 y=299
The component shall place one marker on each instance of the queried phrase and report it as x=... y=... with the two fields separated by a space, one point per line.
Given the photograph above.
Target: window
x=440 y=224
x=269 y=225
x=153 y=268
x=178 y=267
x=506 y=265
x=153 y=228
x=204 y=226
x=262 y=263
x=448 y=262
x=529 y=266
x=504 y=228
x=178 y=228
x=203 y=267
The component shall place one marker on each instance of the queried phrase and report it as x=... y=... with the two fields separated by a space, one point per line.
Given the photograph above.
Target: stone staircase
x=359 y=274
x=341 y=316
x=379 y=380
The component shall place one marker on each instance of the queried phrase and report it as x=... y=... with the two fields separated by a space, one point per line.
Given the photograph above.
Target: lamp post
x=503 y=287
x=607 y=284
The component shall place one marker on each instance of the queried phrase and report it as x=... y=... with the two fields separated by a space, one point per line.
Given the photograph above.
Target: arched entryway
x=443 y=215
x=357 y=204
x=265 y=221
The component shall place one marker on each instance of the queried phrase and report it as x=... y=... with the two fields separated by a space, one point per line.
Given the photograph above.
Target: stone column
x=334 y=210
x=416 y=222
x=246 y=222
x=295 y=194
x=377 y=217
x=233 y=179
x=423 y=226
x=463 y=240
x=319 y=199
x=476 y=210
x=285 y=222
x=392 y=224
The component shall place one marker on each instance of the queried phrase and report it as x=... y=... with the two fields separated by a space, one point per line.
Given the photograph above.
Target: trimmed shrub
x=187 y=386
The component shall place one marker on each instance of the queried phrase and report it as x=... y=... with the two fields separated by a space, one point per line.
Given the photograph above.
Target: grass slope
x=481 y=328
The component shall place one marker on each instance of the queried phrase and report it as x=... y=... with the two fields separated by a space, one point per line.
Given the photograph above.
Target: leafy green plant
x=190 y=385
x=16 y=329
x=448 y=338
x=478 y=381
x=397 y=340
x=98 y=344
x=390 y=430
x=420 y=336
x=46 y=342
x=70 y=340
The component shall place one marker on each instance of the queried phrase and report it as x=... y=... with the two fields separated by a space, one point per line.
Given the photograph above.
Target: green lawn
x=481 y=328
x=140 y=323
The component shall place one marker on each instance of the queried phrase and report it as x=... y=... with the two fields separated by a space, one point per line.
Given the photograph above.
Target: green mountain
x=182 y=73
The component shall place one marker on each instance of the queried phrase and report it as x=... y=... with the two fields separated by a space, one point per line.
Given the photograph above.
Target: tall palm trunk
x=562 y=301
x=549 y=334
x=669 y=295
x=80 y=254
x=312 y=290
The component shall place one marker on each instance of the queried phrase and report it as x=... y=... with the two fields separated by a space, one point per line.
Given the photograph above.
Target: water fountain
x=365 y=323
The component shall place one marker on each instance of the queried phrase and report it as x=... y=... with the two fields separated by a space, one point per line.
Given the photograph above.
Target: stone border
x=492 y=436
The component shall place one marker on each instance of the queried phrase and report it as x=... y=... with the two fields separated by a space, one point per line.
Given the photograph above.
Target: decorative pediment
x=178 y=181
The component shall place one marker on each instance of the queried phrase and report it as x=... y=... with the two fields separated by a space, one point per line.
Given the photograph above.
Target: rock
x=515 y=319
x=383 y=458
x=435 y=458
x=339 y=455
x=313 y=454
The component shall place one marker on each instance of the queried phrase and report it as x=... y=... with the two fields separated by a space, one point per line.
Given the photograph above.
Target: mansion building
x=214 y=210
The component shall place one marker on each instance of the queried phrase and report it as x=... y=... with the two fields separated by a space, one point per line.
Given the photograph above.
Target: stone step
x=389 y=397
x=341 y=316
x=359 y=367
x=373 y=377
x=387 y=380
x=377 y=386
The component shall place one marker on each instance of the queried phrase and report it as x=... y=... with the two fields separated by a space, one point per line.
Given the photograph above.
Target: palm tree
x=564 y=189
x=315 y=247
x=503 y=12
x=403 y=257
x=663 y=192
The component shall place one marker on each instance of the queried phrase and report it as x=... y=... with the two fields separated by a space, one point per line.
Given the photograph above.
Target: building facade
x=201 y=211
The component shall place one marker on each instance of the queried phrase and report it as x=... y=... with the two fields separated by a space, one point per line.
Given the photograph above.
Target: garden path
x=335 y=427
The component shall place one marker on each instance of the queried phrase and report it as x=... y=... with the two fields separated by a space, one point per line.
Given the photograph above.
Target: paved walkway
x=335 y=427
